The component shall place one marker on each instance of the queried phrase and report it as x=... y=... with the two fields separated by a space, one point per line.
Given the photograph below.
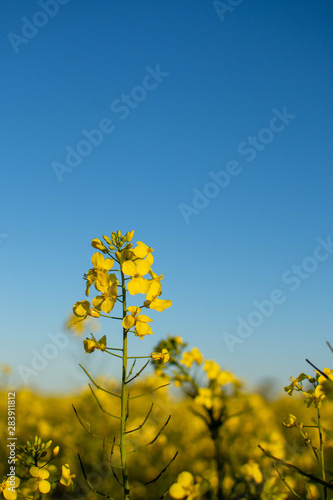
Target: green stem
x=321 y=450
x=124 y=400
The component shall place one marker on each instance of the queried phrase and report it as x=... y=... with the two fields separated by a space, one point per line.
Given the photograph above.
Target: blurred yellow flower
x=289 y=420
x=163 y=356
x=66 y=476
x=212 y=369
x=183 y=487
x=251 y=470
x=8 y=489
x=192 y=356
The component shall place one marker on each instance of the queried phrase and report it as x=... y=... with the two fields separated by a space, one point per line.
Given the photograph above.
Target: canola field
x=186 y=429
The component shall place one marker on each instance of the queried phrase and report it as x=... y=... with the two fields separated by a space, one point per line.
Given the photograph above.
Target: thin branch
x=317 y=369
x=143 y=423
x=90 y=485
x=112 y=466
x=99 y=404
x=150 y=392
x=329 y=345
x=98 y=386
x=163 y=470
x=113 y=354
x=87 y=430
x=131 y=370
x=137 y=374
x=291 y=466
x=153 y=440
x=285 y=483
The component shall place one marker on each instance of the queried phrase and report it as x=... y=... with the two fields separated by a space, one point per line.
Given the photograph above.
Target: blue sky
x=199 y=91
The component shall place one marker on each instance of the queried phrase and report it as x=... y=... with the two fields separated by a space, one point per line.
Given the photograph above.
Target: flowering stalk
x=211 y=402
x=134 y=264
x=124 y=400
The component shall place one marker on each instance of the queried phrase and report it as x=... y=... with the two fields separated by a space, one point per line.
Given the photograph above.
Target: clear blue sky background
x=225 y=78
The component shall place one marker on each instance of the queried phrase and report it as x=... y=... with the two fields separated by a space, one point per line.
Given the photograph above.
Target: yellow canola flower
x=109 y=290
x=137 y=269
x=91 y=344
x=163 y=356
x=96 y=243
x=225 y=377
x=205 y=398
x=66 y=476
x=99 y=273
x=144 y=251
x=82 y=309
x=152 y=302
x=183 y=487
x=192 y=356
x=289 y=420
x=129 y=235
x=138 y=320
x=324 y=386
x=8 y=489
x=40 y=479
x=252 y=471
x=212 y=369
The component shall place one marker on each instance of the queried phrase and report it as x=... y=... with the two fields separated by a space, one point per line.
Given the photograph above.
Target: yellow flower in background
x=8 y=489
x=183 y=487
x=66 y=476
x=163 y=356
x=137 y=269
x=212 y=369
x=192 y=356
x=40 y=479
x=252 y=471
x=224 y=378
x=289 y=420
x=205 y=397
x=138 y=320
